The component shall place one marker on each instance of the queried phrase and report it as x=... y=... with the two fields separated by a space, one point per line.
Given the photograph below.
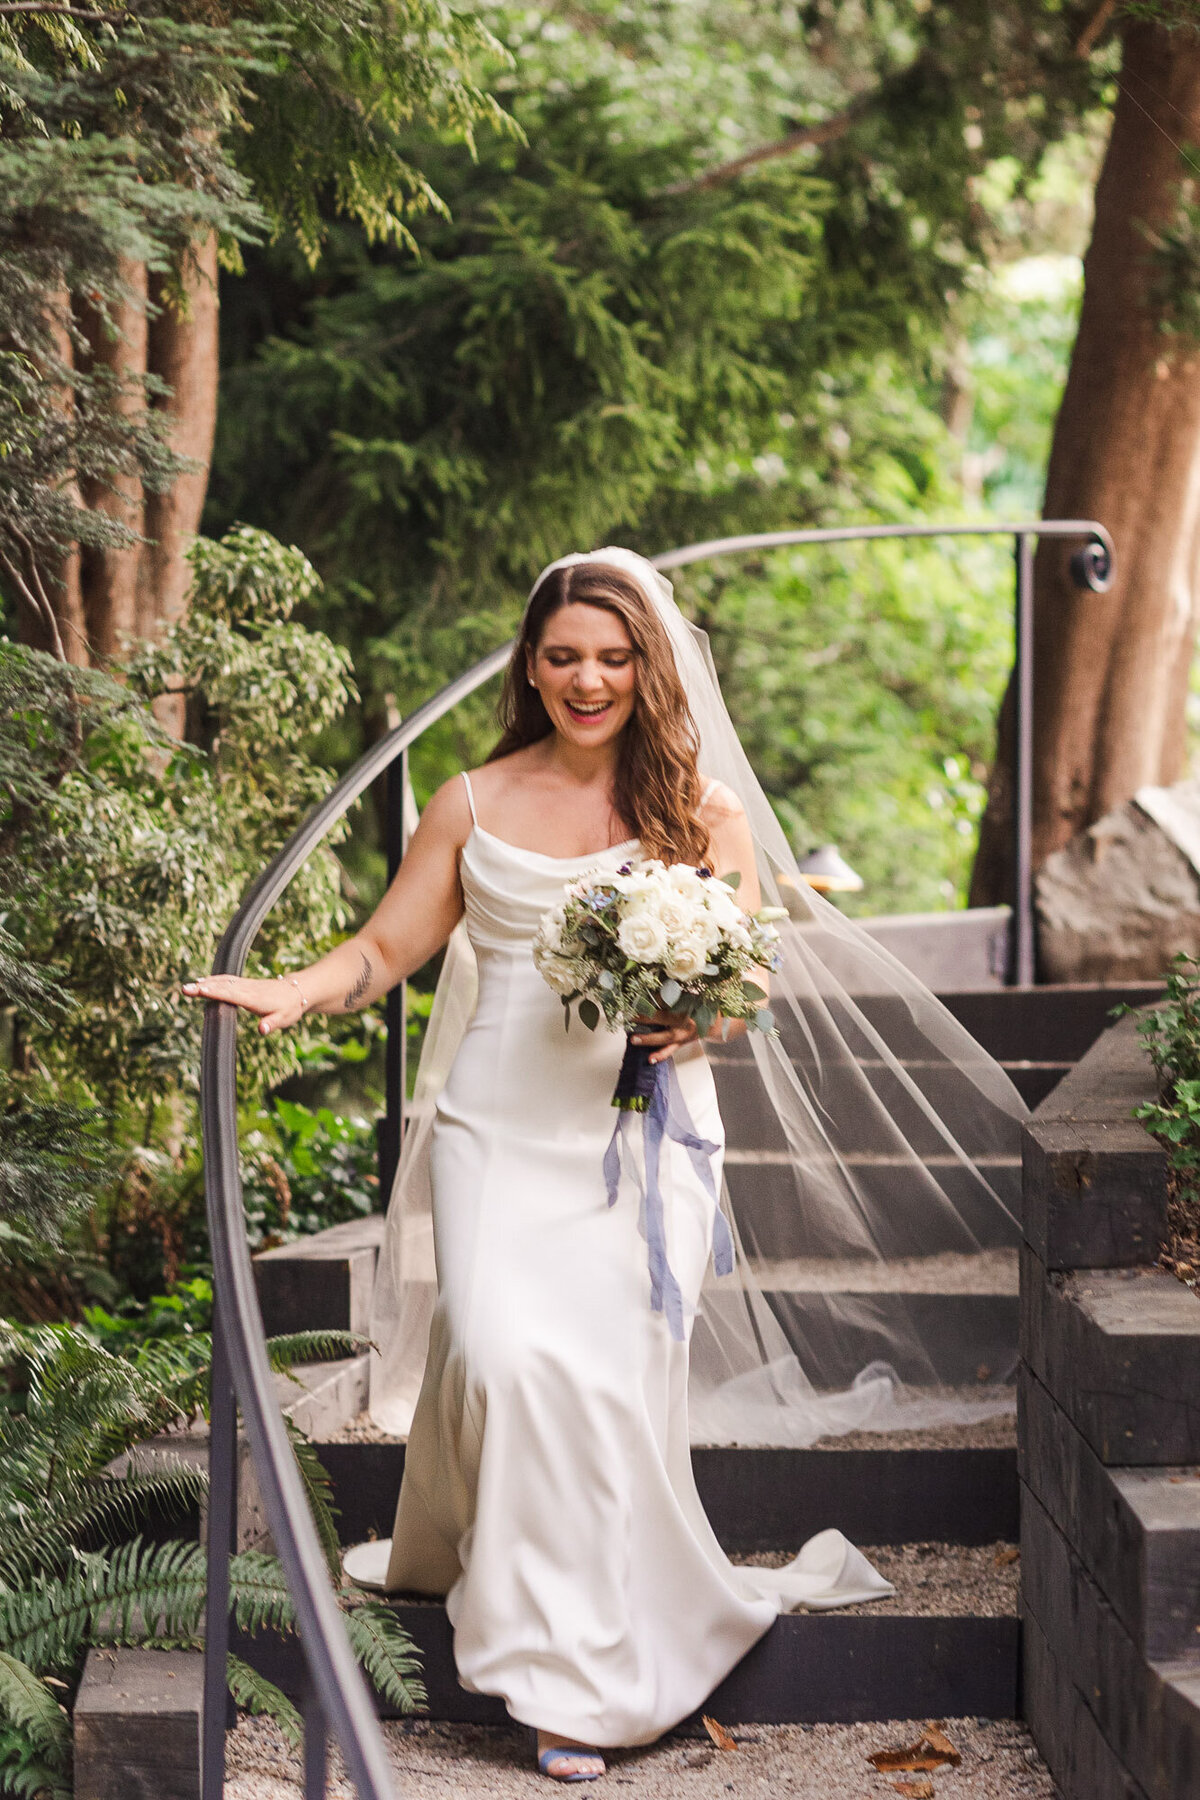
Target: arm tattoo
x=356 y=993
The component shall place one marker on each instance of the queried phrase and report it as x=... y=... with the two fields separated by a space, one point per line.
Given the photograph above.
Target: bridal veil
x=872 y=1171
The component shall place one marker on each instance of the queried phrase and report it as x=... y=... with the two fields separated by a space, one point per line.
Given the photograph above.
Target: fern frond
x=28 y=1707
x=97 y=1511
x=258 y=1695
x=314 y=1346
x=260 y=1594
x=25 y=1776
x=319 y=1489
x=388 y=1654
x=141 y=1592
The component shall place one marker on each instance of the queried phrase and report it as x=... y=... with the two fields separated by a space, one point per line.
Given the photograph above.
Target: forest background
x=392 y=304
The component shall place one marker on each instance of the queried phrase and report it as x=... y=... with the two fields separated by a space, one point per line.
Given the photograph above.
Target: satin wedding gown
x=548 y=1489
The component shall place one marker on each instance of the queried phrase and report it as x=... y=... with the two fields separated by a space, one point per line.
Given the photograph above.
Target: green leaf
x=255 y=1694
x=733 y=879
x=670 y=992
x=589 y=1014
x=752 y=991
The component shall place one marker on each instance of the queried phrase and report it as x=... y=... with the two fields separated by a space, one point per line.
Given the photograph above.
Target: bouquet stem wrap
x=665 y=1116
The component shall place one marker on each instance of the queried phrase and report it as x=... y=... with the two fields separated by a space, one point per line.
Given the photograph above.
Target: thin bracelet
x=300 y=991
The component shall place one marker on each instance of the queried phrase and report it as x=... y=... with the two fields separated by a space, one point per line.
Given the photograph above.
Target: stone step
x=767 y=1188
x=886 y=1102
x=893 y=1658
x=757 y=1498
x=1095 y=1181
x=320 y=1283
x=136 y=1721
x=1061 y=1021
x=1136 y=1531
x=320 y=1398
x=1104 y=1714
x=1120 y=1348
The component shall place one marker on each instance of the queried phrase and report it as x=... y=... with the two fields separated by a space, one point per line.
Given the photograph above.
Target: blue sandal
x=553 y=1753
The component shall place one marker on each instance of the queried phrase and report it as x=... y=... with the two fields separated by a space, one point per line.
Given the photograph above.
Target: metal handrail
x=336 y=1694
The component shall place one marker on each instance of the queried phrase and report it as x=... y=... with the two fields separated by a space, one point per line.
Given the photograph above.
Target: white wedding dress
x=548 y=1489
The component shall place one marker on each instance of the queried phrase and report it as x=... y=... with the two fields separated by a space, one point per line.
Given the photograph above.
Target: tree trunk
x=108 y=599
x=110 y=576
x=1111 y=670
x=50 y=599
x=183 y=352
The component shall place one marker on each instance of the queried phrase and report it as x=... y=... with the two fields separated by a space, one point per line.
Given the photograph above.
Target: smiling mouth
x=587 y=715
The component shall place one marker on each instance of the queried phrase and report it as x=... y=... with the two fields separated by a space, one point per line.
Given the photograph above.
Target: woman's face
x=585 y=668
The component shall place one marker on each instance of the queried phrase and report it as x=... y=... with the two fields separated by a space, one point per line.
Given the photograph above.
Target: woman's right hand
x=277 y=1002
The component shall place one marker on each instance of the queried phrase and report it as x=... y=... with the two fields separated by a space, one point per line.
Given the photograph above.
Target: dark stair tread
x=756 y=1499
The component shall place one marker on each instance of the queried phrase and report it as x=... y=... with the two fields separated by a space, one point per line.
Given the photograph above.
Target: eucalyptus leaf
x=670 y=992
x=752 y=991
x=589 y=1014
x=733 y=879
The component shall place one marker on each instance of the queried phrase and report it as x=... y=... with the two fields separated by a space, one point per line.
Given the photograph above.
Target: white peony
x=641 y=935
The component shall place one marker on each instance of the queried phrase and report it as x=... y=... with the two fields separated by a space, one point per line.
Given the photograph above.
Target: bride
x=548 y=1491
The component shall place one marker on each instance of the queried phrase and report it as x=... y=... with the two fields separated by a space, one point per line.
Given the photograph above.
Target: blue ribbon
x=667 y=1117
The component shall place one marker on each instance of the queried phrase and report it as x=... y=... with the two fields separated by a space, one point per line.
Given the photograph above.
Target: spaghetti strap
x=707 y=795
x=470 y=797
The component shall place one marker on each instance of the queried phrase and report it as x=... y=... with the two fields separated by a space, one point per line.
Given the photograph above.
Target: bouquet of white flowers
x=621 y=945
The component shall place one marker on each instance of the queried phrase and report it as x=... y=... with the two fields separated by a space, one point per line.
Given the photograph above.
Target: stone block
x=1113 y=1075
x=1136 y=1531
x=318 y=1397
x=1147 y=1712
x=1095 y=1193
x=137 y=1725
x=1120 y=1351
x=320 y=1283
x=1075 y=1750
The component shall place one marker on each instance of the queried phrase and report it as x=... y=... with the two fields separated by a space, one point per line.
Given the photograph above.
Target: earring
x=532 y=682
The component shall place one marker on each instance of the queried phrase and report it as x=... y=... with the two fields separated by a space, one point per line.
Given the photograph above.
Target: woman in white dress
x=548 y=1490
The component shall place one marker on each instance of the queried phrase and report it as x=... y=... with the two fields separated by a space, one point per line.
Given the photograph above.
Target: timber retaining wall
x=1109 y=1446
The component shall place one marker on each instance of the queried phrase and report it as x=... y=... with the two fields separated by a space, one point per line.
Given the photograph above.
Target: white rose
x=557 y=972
x=641 y=936
x=685 y=880
x=550 y=928
x=687 y=959
x=677 y=912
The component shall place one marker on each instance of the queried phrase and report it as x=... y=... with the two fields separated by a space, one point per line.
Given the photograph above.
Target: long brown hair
x=656 y=791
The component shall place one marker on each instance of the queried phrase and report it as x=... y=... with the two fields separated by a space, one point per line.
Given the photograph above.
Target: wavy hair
x=656 y=791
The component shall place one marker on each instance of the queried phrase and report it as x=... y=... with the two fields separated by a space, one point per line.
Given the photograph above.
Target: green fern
x=314 y=1346
x=28 y=1706
x=258 y=1695
x=74 y=1483
x=319 y=1491
x=387 y=1653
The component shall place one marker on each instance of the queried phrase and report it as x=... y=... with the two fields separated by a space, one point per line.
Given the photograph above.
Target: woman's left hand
x=665 y=1031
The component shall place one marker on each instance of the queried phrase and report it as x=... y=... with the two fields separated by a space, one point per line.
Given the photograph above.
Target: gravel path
x=998 y=1432
x=933 y=1580
x=810 y=1762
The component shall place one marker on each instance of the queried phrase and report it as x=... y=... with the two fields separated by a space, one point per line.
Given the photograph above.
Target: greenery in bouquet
x=622 y=945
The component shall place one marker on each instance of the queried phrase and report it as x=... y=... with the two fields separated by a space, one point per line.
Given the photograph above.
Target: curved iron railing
x=336 y=1693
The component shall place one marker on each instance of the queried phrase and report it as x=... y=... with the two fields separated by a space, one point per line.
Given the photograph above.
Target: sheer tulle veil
x=872 y=1172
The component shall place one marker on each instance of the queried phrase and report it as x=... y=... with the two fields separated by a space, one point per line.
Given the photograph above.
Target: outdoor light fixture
x=828 y=872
